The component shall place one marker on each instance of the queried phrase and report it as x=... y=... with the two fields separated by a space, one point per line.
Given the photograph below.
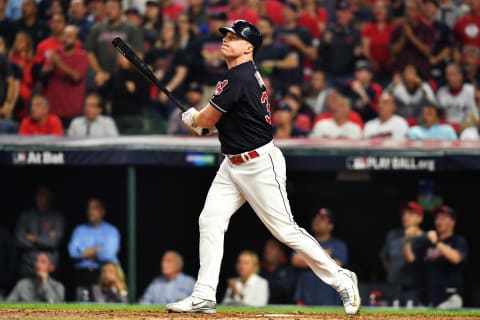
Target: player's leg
x=266 y=193
x=222 y=201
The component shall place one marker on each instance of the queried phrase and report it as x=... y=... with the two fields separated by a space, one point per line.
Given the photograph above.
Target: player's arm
x=207 y=117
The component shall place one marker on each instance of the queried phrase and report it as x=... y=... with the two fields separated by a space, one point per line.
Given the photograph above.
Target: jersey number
x=264 y=100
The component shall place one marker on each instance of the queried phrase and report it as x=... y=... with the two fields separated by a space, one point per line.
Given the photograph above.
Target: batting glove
x=187 y=118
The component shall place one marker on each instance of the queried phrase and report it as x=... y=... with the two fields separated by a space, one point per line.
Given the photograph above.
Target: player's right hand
x=187 y=118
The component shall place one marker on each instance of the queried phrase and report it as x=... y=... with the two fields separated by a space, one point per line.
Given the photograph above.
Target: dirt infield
x=153 y=315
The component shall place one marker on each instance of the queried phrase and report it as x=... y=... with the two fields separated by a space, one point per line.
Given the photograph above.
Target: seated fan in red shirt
x=40 y=122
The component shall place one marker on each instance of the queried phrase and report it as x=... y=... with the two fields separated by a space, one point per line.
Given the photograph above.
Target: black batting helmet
x=246 y=30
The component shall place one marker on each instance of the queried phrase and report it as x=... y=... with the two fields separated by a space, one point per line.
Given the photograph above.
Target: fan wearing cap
x=340 y=45
x=363 y=92
x=444 y=255
x=193 y=97
x=252 y=171
x=400 y=273
x=310 y=289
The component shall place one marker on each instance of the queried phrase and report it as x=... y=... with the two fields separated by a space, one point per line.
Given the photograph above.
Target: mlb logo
x=358 y=163
x=19 y=157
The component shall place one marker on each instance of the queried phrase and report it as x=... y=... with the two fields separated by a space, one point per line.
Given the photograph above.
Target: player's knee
x=208 y=221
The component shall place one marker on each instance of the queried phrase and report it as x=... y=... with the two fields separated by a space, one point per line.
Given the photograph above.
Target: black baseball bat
x=128 y=53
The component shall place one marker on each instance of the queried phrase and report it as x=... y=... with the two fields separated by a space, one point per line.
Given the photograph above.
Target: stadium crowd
x=333 y=69
x=423 y=267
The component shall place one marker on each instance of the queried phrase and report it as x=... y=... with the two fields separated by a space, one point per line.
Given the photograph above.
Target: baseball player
x=253 y=171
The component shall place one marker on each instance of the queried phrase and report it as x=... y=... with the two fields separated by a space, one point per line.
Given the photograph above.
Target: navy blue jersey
x=242 y=98
x=443 y=278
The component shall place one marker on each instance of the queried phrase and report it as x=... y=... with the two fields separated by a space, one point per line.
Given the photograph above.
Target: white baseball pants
x=262 y=183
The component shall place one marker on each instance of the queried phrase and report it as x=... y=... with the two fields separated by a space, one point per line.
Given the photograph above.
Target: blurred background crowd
x=424 y=263
x=333 y=68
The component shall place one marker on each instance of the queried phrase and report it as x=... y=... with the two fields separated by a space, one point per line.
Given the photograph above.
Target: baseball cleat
x=193 y=304
x=349 y=292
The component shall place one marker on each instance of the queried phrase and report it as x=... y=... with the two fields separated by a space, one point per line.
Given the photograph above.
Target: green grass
x=272 y=309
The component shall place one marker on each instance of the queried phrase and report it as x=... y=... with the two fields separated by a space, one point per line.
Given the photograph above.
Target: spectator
x=442 y=41
x=171 y=9
x=188 y=44
x=412 y=41
x=91 y=245
x=466 y=29
x=457 y=99
x=297 y=39
x=40 y=122
x=249 y=289
x=470 y=134
x=49 y=45
x=340 y=46
x=111 y=287
x=98 y=14
x=21 y=55
x=308 y=19
x=399 y=272
x=78 y=16
x=30 y=23
x=302 y=114
x=197 y=16
x=444 y=255
x=310 y=289
x=330 y=104
x=281 y=276
x=410 y=93
x=134 y=17
x=317 y=92
x=65 y=72
x=388 y=125
x=14 y=9
x=172 y=286
x=101 y=55
x=7 y=256
x=431 y=128
x=238 y=9
x=397 y=11
x=93 y=123
x=363 y=92
x=194 y=98
x=39 y=229
x=362 y=13
x=170 y=65
x=275 y=60
x=449 y=12
x=375 y=43
x=152 y=23
x=128 y=92
x=50 y=8
x=39 y=287
x=9 y=88
x=339 y=126
x=267 y=8
x=470 y=65
x=317 y=10
x=6 y=23
x=284 y=123
x=209 y=48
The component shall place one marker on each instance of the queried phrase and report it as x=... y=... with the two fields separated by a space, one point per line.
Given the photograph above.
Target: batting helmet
x=246 y=30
